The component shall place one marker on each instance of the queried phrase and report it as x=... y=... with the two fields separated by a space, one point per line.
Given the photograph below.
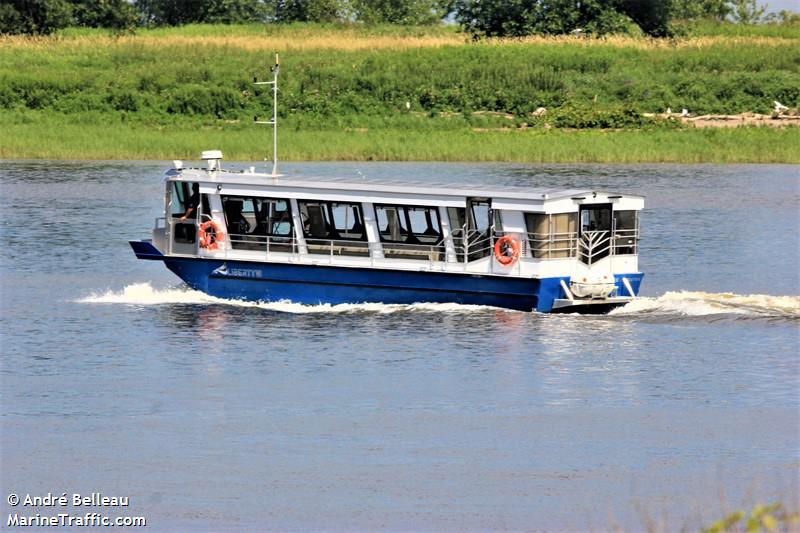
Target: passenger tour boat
x=267 y=237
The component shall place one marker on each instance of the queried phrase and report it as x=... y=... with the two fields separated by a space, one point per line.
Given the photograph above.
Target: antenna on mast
x=274 y=121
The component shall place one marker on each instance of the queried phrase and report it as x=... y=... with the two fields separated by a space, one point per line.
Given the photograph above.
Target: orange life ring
x=209 y=234
x=502 y=247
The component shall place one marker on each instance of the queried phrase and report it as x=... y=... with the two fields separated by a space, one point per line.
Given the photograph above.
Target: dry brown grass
x=353 y=39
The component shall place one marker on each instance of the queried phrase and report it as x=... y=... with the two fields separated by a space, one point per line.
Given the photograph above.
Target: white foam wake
x=697 y=303
x=680 y=303
x=145 y=294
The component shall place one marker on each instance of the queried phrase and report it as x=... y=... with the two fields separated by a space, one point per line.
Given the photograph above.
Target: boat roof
x=252 y=179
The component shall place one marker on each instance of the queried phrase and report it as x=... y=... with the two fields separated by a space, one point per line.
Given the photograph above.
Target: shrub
x=40 y=17
x=201 y=100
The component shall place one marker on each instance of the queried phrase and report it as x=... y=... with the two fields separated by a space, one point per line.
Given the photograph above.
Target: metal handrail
x=594 y=245
x=546 y=245
x=589 y=248
x=465 y=244
x=264 y=243
x=619 y=242
x=631 y=247
x=433 y=253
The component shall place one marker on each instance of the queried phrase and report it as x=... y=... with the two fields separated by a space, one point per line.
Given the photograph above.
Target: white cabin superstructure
x=515 y=247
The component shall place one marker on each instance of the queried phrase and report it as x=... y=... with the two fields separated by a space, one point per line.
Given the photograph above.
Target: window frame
x=327 y=207
x=257 y=203
x=405 y=223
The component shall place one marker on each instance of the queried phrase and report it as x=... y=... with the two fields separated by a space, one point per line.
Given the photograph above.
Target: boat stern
x=561 y=295
x=146 y=250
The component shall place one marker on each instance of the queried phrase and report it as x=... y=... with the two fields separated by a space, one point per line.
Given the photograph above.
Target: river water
x=219 y=415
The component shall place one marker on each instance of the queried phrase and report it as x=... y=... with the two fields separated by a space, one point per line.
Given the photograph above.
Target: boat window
x=332 y=220
x=181 y=198
x=408 y=224
x=625 y=220
x=626 y=231
x=480 y=216
x=596 y=218
x=596 y=240
x=479 y=228
x=327 y=225
x=273 y=217
x=178 y=198
x=552 y=236
x=205 y=209
x=458 y=221
x=184 y=198
x=409 y=232
x=256 y=223
x=347 y=221
x=391 y=224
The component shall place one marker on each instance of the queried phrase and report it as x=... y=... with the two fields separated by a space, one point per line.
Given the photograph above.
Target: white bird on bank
x=685 y=113
x=779 y=107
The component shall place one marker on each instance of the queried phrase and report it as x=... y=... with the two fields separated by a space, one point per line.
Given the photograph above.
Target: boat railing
x=333 y=248
x=473 y=244
x=432 y=252
x=594 y=245
x=626 y=242
x=590 y=247
x=553 y=245
x=263 y=243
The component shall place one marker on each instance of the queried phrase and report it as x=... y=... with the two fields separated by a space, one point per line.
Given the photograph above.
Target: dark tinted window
x=332 y=220
x=258 y=216
x=408 y=224
x=625 y=219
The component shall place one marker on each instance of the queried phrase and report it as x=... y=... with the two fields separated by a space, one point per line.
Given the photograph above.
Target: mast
x=274 y=121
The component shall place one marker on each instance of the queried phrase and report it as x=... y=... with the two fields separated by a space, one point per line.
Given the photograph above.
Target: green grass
x=59 y=139
x=169 y=92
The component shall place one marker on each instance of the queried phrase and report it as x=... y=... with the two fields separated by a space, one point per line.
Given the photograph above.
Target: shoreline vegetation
x=397 y=94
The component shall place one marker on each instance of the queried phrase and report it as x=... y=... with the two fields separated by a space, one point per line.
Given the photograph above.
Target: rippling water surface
x=217 y=415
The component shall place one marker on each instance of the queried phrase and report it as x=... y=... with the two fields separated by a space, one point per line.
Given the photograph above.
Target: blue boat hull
x=316 y=284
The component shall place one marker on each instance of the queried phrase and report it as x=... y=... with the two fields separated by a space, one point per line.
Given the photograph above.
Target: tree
x=170 y=12
x=514 y=18
x=496 y=18
x=40 y=17
x=700 y=9
x=652 y=16
x=413 y=12
x=235 y=11
x=748 y=11
x=114 y=14
x=308 y=11
x=175 y=12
